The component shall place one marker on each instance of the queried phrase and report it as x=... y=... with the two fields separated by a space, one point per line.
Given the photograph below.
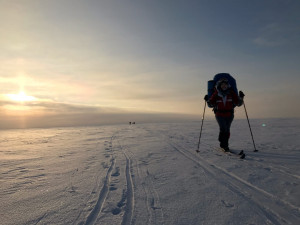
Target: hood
x=220 y=91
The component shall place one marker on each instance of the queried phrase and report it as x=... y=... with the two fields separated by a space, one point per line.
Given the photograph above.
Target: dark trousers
x=224 y=124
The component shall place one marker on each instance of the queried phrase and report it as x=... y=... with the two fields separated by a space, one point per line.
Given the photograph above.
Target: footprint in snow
x=116 y=211
x=227 y=204
x=113 y=188
x=116 y=173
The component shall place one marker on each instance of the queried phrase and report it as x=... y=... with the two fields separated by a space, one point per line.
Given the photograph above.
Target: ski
x=240 y=154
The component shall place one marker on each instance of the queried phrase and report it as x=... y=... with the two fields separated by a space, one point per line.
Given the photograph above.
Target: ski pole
x=201 y=127
x=255 y=150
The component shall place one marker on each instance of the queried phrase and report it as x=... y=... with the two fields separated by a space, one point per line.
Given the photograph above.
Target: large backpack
x=211 y=84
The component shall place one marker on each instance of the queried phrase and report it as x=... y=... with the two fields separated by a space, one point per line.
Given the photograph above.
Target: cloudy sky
x=65 y=62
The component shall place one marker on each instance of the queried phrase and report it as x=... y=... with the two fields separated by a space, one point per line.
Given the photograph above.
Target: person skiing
x=223 y=101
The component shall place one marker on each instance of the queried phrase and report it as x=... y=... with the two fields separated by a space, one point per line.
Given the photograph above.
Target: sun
x=21 y=97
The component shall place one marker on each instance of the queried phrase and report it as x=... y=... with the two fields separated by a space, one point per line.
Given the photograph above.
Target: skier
x=223 y=101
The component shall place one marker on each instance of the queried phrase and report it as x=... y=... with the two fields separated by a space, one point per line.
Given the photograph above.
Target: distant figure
x=133 y=122
x=223 y=101
x=129 y=123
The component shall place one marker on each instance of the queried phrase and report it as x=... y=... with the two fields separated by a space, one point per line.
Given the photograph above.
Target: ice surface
x=151 y=174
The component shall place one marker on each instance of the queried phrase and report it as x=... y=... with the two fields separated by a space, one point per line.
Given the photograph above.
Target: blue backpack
x=212 y=83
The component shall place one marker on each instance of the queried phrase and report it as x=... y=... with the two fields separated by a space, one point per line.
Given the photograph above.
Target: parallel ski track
x=127 y=218
x=102 y=196
x=88 y=199
x=249 y=156
x=257 y=163
x=144 y=187
x=129 y=210
x=280 y=169
x=154 y=208
x=276 y=210
x=128 y=215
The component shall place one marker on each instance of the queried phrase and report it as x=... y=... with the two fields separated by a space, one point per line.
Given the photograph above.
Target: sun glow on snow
x=21 y=97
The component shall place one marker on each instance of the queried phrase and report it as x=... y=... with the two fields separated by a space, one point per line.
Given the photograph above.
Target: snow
x=151 y=174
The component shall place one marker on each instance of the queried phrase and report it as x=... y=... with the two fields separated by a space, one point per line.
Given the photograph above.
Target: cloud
x=52 y=107
x=54 y=114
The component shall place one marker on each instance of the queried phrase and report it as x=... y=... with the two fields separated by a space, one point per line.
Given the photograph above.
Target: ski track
x=249 y=156
x=154 y=208
x=279 y=168
x=94 y=216
x=276 y=210
x=258 y=163
x=267 y=205
x=157 y=214
x=102 y=196
x=149 y=215
x=95 y=190
x=127 y=218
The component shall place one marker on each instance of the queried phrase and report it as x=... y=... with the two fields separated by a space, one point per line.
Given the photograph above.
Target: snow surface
x=151 y=174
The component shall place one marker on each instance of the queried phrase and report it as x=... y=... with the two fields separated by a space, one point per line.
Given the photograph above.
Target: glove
x=206 y=98
x=241 y=94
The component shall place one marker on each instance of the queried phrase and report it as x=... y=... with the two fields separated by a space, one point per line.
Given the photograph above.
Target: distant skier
x=223 y=101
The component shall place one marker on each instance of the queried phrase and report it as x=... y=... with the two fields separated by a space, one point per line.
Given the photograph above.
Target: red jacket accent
x=224 y=106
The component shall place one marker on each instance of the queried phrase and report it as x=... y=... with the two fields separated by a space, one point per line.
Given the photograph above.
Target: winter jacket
x=224 y=103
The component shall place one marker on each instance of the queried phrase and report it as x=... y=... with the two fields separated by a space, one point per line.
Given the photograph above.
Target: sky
x=85 y=62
